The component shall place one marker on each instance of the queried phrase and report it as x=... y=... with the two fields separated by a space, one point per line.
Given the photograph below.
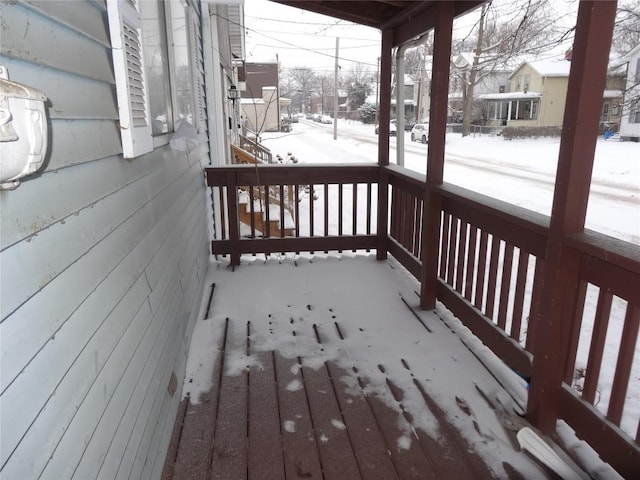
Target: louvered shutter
x=128 y=64
x=197 y=71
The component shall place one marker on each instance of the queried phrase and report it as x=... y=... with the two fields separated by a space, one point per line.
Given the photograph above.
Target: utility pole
x=336 y=103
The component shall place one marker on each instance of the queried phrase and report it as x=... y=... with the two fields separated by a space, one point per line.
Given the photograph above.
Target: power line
x=344 y=59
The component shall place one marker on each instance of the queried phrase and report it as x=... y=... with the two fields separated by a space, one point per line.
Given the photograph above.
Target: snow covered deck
x=326 y=368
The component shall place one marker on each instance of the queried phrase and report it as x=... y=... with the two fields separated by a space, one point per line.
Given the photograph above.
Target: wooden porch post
x=435 y=157
x=575 y=163
x=384 y=108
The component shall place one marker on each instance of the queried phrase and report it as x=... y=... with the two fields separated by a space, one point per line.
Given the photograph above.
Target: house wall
x=102 y=267
x=554 y=94
x=630 y=130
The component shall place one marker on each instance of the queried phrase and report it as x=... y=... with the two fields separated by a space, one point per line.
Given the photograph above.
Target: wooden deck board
x=265 y=436
x=230 y=435
x=289 y=401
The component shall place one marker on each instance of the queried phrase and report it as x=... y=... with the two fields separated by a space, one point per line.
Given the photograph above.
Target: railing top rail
x=519 y=216
x=293 y=174
x=618 y=252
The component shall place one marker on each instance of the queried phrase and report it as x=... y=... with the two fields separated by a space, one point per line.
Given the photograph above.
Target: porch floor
x=325 y=368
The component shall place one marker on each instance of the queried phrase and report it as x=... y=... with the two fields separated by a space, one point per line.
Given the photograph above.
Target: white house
x=630 y=121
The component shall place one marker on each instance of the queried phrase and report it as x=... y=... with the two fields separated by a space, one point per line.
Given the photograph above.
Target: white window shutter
x=197 y=70
x=131 y=86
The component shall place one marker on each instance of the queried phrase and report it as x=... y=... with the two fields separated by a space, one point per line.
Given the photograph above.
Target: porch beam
x=587 y=77
x=435 y=156
x=384 y=117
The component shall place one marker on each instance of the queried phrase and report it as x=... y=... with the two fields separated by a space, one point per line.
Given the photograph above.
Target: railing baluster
x=282 y=224
x=505 y=285
x=518 y=302
x=296 y=195
x=267 y=212
x=326 y=210
x=444 y=241
x=462 y=254
x=252 y=211
x=482 y=270
x=417 y=226
x=596 y=350
x=534 y=308
x=574 y=332
x=625 y=362
x=340 y=209
x=407 y=219
x=471 y=260
x=354 y=207
x=368 y=209
x=311 y=210
x=453 y=238
x=223 y=210
x=493 y=276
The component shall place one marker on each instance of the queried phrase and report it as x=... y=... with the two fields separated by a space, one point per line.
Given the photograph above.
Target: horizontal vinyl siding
x=102 y=264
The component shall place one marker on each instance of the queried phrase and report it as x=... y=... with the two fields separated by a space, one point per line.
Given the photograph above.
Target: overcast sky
x=301 y=38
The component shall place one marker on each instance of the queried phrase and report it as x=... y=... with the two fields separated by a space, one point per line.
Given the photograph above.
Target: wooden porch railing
x=491 y=268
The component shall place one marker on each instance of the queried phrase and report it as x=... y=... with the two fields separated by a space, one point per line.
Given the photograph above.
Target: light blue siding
x=102 y=267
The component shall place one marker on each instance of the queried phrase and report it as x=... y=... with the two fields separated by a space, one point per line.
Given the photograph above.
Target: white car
x=420 y=132
x=393 y=130
x=326 y=119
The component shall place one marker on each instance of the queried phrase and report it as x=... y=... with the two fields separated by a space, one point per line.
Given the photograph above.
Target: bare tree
x=301 y=84
x=358 y=88
x=626 y=34
x=504 y=31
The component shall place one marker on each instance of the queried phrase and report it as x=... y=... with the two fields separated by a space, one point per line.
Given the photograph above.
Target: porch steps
x=259 y=217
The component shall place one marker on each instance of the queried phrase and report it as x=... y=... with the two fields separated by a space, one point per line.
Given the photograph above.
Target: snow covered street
x=521 y=172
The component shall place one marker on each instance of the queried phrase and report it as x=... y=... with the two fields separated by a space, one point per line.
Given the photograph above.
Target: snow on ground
x=375 y=323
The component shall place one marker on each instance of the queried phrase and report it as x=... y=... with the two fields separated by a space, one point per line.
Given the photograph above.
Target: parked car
x=326 y=119
x=420 y=132
x=393 y=130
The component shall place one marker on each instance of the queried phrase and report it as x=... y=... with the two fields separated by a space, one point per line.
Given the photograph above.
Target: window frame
x=143 y=141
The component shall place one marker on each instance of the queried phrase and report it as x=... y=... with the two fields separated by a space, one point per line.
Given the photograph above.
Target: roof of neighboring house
x=510 y=96
x=612 y=94
x=548 y=68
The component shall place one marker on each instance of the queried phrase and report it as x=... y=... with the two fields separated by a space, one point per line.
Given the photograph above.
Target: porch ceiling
x=381 y=13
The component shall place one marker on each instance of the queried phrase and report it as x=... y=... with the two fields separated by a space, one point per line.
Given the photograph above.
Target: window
x=183 y=82
x=157 y=66
x=524 y=110
x=130 y=75
x=634 y=111
x=518 y=82
x=605 y=112
x=527 y=80
x=502 y=89
x=637 y=79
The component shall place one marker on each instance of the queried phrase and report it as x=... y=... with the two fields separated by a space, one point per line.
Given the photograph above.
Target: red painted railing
x=491 y=268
